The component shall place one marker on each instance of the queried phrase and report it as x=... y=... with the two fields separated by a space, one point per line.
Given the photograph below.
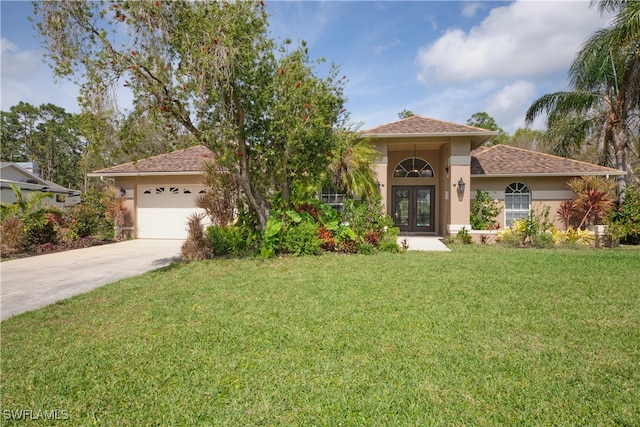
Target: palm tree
x=604 y=104
x=25 y=206
x=351 y=168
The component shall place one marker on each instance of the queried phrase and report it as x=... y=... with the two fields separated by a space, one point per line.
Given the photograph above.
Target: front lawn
x=477 y=336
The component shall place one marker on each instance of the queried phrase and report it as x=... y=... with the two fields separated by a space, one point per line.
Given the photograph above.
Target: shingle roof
x=507 y=160
x=186 y=160
x=423 y=126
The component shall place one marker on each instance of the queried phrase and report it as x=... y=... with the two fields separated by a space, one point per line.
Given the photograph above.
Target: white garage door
x=163 y=210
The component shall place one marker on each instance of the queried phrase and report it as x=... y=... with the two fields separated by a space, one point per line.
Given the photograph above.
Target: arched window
x=517 y=202
x=413 y=167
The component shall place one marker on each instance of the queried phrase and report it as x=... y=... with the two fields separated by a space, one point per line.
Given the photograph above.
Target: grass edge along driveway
x=480 y=335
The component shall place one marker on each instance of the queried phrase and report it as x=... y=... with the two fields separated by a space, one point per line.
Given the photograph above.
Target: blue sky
x=446 y=59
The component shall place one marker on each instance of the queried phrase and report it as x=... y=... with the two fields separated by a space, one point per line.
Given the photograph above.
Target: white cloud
x=508 y=105
x=525 y=38
x=24 y=77
x=7 y=45
x=469 y=9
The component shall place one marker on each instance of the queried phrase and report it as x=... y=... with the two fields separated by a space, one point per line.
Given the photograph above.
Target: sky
x=441 y=59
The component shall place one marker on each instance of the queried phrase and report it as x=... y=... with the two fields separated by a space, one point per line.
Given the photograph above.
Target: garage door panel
x=163 y=211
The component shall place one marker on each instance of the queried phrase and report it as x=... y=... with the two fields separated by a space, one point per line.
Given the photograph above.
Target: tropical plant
x=604 y=103
x=30 y=205
x=591 y=204
x=197 y=246
x=571 y=236
x=352 y=166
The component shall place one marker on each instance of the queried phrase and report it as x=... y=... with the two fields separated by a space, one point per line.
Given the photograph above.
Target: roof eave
x=155 y=173
x=488 y=135
x=552 y=174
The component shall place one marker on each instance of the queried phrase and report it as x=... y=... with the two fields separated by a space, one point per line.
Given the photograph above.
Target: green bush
x=41 y=229
x=625 y=218
x=230 y=240
x=484 y=211
x=542 y=240
x=302 y=239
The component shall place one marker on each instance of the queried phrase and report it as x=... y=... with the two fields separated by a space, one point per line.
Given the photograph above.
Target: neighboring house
x=430 y=171
x=25 y=176
x=160 y=191
x=428 y=174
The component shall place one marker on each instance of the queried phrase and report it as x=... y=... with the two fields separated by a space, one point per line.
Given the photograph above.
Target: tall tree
x=47 y=135
x=210 y=68
x=485 y=121
x=604 y=104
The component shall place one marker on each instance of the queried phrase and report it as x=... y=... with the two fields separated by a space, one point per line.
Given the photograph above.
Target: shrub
x=624 y=220
x=196 y=247
x=227 y=240
x=10 y=236
x=463 y=236
x=528 y=231
x=41 y=229
x=84 y=220
x=302 y=239
x=484 y=211
x=542 y=240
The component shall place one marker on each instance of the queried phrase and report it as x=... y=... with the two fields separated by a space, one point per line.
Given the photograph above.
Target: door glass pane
x=423 y=207
x=401 y=198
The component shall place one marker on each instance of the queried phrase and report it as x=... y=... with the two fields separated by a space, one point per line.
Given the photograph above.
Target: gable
x=424 y=127
x=13 y=172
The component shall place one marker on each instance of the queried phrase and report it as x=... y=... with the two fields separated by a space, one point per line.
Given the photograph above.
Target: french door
x=414 y=208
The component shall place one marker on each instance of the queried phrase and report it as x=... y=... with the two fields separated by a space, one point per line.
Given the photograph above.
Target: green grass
x=478 y=336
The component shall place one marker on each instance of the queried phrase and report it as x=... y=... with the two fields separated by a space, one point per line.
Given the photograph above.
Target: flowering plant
x=484 y=211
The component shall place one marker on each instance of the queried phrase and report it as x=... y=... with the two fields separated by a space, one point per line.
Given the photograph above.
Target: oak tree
x=209 y=69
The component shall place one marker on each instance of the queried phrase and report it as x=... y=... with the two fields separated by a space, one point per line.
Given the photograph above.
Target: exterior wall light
x=461 y=186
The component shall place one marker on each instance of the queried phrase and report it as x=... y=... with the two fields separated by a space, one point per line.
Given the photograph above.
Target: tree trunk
x=620 y=147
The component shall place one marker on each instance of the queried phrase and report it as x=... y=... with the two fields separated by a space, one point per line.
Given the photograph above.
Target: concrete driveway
x=31 y=283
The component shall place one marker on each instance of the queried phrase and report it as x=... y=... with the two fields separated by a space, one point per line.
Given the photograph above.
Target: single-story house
x=26 y=177
x=428 y=175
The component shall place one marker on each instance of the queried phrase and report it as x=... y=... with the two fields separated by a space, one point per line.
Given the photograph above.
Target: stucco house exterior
x=428 y=174
x=430 y=171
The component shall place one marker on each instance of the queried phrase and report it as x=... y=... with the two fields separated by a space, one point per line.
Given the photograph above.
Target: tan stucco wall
x=545 y=191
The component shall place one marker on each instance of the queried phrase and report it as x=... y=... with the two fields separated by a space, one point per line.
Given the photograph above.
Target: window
x=414 y=167
x=517 y=202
